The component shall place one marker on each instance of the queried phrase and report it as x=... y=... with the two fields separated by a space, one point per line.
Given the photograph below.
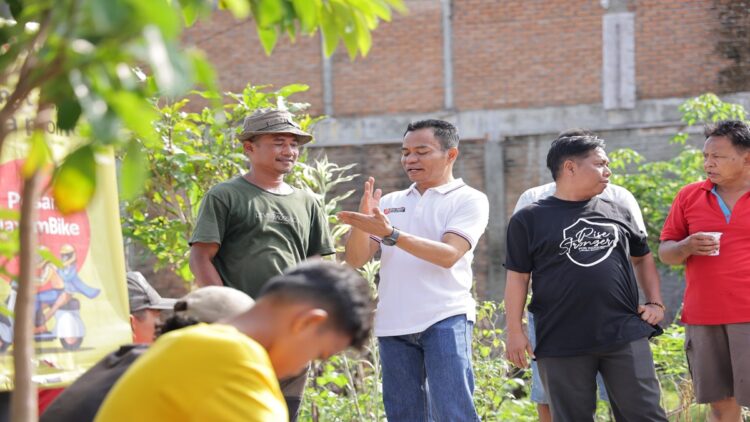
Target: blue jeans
x=440 y=356
x=538 y=395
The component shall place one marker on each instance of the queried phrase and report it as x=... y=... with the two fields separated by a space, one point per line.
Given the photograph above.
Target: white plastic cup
x=717 y=237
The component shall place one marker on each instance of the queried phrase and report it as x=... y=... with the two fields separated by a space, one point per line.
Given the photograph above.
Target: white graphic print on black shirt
x=588 y=243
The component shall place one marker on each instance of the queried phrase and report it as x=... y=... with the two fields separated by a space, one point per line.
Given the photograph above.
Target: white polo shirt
x=413 y=293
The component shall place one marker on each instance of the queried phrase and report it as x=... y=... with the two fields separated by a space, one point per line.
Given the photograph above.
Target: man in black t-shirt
x=585 y=254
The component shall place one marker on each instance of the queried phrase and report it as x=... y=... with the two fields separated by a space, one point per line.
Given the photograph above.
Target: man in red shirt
x=717 y=297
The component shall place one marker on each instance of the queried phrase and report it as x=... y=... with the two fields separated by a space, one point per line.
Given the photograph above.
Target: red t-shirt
x=718 y=287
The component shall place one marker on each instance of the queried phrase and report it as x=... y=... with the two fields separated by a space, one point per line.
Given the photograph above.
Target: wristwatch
x=391 y=239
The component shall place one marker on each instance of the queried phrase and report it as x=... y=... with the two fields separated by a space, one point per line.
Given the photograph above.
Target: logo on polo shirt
x=587 y=243
x=390 y=210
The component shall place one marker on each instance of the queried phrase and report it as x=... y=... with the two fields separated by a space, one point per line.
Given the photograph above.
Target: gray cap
x=212 y=303
x=143 y=296
x=265 y=121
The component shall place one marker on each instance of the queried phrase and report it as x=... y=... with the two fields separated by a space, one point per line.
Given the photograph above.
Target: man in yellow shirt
x=228 y=371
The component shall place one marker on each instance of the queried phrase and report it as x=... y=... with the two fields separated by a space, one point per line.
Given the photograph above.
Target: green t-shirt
x=260 y=233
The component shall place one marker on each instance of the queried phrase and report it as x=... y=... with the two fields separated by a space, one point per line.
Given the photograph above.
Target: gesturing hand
x=375 y=223
x=370 y=197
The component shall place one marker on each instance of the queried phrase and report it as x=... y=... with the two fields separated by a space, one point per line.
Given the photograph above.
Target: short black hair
x=567 y=147
x=175 y=322
x=444 y=132
x=338 y=289
x=736 y=131
x=575 y=132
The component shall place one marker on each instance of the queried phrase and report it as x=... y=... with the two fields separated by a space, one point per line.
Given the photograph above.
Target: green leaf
x=328 y=31
x=268 y=37
x=106 y=17
x=133 y=172
x=68 y=112
x=190 y=15
x=380 y=9
x=47 y=255
x=239 y=8
x=157 y=12
x=39 y=154
x=75 y=181
x=398 y=5
x=172 y=71
x=193 y=9
x=292 y=89
x=269 y=12
x=205 y=73
x=16 y=8
x=104 y=123
x=5 y=35
x=364 y=37
x=137 y=114
x=307 y=12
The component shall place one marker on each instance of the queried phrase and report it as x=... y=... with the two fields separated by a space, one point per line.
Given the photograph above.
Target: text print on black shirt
x=587 y=243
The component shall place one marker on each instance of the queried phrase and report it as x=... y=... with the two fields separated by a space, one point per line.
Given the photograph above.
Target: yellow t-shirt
x=199 y=373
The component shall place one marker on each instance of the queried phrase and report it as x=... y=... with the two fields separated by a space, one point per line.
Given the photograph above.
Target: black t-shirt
x=82 y=399
x=585 y=295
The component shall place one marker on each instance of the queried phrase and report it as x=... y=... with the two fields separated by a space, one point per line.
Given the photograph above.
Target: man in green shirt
x=254 y=226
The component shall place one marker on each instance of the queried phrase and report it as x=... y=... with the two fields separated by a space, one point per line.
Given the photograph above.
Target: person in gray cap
x=82 y=399
x=145 y=308
x=254 y=226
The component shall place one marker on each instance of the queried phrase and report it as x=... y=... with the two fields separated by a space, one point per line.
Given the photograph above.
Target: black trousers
x=628 y=374
x=5 y=406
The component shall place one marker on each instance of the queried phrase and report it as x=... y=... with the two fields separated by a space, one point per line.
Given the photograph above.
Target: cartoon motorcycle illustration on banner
x=55 y=298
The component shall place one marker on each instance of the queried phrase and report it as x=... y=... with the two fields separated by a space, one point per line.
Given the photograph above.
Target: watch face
x=391 y=239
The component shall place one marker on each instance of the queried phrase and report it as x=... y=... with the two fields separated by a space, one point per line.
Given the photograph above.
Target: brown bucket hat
x=265 y=121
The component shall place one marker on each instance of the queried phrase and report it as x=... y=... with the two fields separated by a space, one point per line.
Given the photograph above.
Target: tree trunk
x=24 y=399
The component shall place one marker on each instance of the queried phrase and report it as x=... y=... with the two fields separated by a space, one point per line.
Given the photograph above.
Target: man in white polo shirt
x=426 y=235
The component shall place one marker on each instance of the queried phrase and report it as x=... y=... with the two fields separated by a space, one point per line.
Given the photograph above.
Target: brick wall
x=403 y=71
x=675 y=48
x=234 y=49
x=526 y=53
x=506 y=54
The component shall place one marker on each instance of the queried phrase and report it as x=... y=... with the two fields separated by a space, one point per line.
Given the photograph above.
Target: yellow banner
x=81 y=305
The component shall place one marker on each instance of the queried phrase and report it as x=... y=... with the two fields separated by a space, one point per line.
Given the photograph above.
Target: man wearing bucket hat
x=254 y=226
x=82 y=399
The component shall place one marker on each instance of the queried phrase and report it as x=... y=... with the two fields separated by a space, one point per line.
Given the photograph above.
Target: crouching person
x=229 y=371
x=82 y=399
